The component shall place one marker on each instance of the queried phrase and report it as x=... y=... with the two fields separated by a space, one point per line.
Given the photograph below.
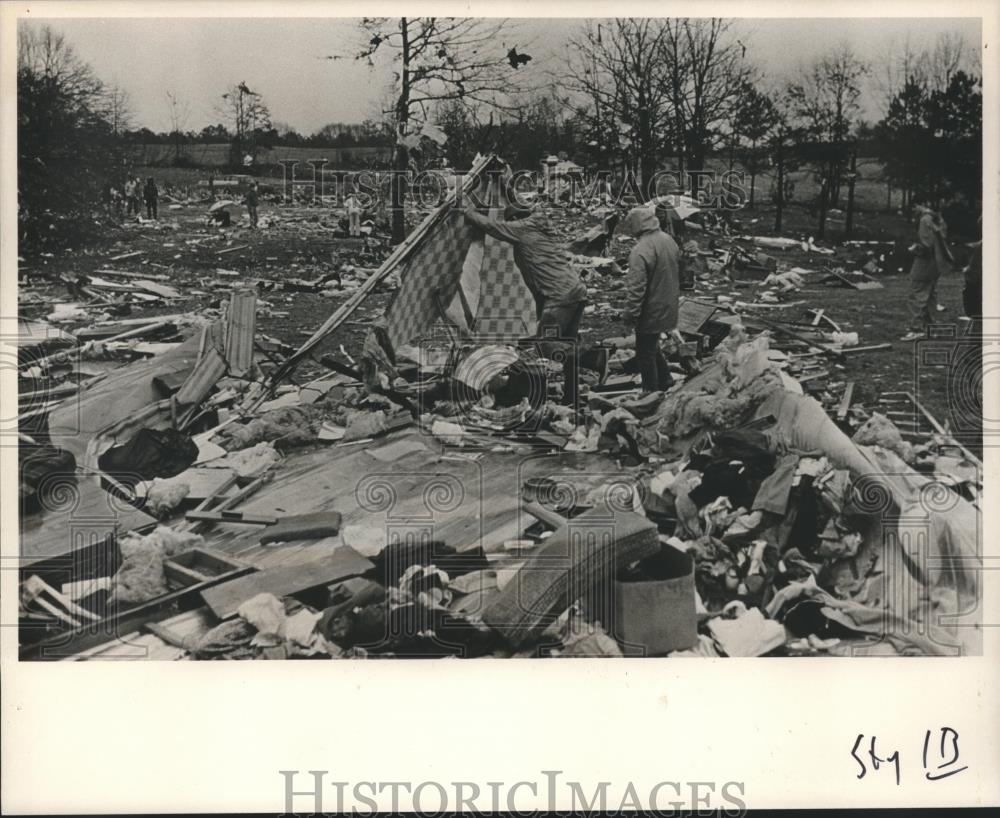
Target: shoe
x=964 y=318
x=941 y=308
x=912 y=336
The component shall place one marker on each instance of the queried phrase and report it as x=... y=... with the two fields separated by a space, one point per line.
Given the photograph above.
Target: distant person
x=931 y=257
x=652 y=289
x=252 y=200
x=130 y=196
x=151 y=194
x=106 y=197
x=211 y=187
x=354 y=211
x=972 y=292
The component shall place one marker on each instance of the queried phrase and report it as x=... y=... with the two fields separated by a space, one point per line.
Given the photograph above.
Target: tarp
x=459 y=277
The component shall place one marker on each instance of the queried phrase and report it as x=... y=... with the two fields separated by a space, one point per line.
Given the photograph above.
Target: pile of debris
x=751 y=509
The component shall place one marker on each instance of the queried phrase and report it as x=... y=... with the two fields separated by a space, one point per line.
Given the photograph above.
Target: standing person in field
x=931 y=258
x=151 y=194
x=252 y=200
x=558 y=292
x=652 y=289
x=354 y=210
x=131 y=193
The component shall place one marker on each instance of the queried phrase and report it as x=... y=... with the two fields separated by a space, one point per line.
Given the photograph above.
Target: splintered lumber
x=126 y=255
x=397 y=256
x=227 y=503
x=229 y=250
x=583 y=554
x=933 y=421
x=240 y=328
x=833 y=353
x=845 y=401
x=230 y=517
x=342 y=563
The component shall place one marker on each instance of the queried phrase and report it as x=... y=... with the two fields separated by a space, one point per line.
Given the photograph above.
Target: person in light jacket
x=931 y=258
x=652 y=288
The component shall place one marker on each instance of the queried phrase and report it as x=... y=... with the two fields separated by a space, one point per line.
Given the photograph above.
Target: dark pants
x=923 y=303
x=252 y=210
x=652 y=363
x=972 y=294
x=151 y=208
x=558 y=331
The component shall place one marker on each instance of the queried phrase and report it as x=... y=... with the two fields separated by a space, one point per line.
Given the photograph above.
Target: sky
x=284 y=59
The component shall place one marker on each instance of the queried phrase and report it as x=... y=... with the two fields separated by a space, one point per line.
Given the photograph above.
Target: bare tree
x=179 y=112
x=708 y=70
x=247 y=114
x=437 y=59
x=826 y=104
x=118 y=110
x=618 y=67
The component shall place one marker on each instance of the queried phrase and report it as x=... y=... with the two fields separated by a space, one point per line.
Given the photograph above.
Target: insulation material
x=287 y=426
x=724 y=394
x=880 y=431
x=141 y=577
x=251 y=462
x=163 y=496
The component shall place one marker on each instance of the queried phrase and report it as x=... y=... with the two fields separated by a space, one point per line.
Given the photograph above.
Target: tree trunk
x=779 y=199
x=753 y=173
x=824 y=195
x=397 y=186
x=849 y=225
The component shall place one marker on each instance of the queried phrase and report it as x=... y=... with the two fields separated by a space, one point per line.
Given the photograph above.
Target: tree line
x=634 y=96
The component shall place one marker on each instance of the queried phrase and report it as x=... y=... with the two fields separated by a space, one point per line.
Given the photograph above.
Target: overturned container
x=654 y=604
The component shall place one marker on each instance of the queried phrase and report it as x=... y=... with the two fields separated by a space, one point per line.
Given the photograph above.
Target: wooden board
x=338 y=563
x=692 y=315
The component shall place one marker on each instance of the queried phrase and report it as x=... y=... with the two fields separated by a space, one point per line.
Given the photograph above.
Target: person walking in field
x=931 y=258
x=252 y=200
x=151 y=194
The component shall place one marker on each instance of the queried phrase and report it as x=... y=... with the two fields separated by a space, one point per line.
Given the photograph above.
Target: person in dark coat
x=931 y=258
x=652 y=289
x=151 y=195
x=252 y=200
x=560 y=296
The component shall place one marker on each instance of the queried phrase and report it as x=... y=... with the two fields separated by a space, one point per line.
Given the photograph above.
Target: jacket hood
x=640 y=220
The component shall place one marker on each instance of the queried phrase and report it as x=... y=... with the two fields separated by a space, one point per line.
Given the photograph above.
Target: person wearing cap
x=931 y=257
x=560 y=296
x=652 y=293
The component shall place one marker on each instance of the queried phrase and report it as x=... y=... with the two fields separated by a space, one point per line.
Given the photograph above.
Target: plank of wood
x=156 y=289
x=871 y=348
x=342 y=563
x=303 y=527
x=845 y=401
x=126 y=255
x=942 y=431
x=230 y=517
x=241 y=322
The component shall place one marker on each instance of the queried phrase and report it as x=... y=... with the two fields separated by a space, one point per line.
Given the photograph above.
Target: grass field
x=942 y=371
